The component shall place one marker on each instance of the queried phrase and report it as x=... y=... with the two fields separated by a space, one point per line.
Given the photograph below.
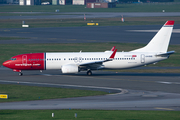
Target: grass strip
x=9 y=50
x=36 y=23
x=26 y=93
x=88 y=115
x=11 y=38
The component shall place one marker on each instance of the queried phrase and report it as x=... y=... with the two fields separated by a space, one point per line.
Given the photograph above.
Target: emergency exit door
x=142 y=58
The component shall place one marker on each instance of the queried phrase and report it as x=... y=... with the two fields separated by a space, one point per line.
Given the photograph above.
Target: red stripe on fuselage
x=32 y=61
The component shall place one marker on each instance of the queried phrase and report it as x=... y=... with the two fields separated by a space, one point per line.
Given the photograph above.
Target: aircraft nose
x=6 y=63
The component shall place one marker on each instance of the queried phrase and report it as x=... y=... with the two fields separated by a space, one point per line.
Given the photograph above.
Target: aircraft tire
x=89 y=73
x=20 y=74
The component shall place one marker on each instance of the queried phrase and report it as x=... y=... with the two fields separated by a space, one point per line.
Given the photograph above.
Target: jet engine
x=69 y=68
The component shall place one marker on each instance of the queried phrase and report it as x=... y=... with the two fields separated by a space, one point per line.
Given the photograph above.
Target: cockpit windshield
x=13 y=59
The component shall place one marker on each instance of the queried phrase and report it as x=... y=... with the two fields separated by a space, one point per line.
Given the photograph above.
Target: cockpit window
x=13 y=59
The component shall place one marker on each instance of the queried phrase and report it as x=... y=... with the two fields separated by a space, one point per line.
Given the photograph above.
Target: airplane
x=74 y=62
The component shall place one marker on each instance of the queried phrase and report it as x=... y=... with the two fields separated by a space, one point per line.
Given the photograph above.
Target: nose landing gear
x=20 y=74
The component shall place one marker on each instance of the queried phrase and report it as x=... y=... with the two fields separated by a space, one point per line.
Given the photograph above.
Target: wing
x=97 y=64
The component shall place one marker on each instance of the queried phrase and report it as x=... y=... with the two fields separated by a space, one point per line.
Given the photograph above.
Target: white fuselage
x=121 y=60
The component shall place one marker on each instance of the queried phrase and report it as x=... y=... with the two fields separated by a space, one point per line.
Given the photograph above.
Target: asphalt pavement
x=89 y=34
x=129 y=91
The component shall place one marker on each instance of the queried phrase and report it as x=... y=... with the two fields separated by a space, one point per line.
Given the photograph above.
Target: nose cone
x=6 y=63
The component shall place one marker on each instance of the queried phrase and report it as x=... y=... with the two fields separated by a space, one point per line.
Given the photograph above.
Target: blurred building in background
x=94 y=3
x=29 y=2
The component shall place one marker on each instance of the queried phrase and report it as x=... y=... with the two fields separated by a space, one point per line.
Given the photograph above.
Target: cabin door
x=24 y=59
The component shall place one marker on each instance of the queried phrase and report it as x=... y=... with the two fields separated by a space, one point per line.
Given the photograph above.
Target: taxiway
x=130 y=91
x=89 y=34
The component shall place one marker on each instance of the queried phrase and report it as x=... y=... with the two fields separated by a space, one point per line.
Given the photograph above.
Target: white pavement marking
x=174 y=30
x=46 y=74
x=169 y=82
x=123 y=91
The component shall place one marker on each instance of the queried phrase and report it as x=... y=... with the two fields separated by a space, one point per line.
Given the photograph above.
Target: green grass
x=10 y=38
x=9 y=50
x=82 y=8
x=88 y=115
x=36 y=23
x=26 y=93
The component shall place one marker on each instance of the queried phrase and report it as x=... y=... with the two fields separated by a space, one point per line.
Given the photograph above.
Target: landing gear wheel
x=89 y=73
x=20 y=74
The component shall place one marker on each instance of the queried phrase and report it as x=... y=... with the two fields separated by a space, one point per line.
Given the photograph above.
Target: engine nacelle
x=69 y=69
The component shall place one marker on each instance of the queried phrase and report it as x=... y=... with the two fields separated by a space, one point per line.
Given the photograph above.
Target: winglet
x=113 y=54
x=113 y=48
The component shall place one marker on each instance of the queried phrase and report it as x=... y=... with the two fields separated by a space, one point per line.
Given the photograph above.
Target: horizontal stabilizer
x=166 y=54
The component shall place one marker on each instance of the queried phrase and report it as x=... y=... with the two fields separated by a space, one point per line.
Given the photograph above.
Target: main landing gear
x=89 y=73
